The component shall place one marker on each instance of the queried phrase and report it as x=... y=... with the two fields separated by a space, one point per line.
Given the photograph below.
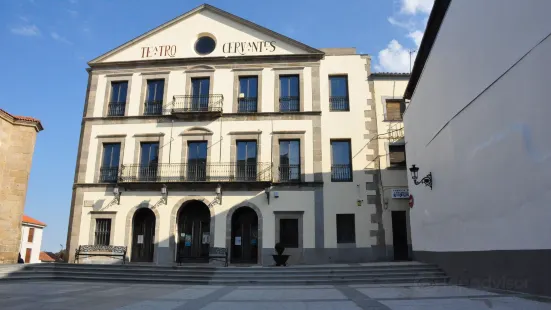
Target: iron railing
x=289 y=173
x=197 y=172
x=247 y=104
x=341 y=173
x=338 y=103
x=108 y=174
x=153 y=108
x=199 y=103
x=116 y=108
x=289 y=104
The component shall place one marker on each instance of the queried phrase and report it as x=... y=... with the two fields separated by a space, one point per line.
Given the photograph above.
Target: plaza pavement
x=84 y=296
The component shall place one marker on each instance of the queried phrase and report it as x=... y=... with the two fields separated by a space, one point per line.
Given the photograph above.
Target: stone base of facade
x=525 y=271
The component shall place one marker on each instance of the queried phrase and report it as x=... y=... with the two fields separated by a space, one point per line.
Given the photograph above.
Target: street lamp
x=267 y=191
x=427 y=180
x=117 y=194
x=219 y=193
x=164 y=194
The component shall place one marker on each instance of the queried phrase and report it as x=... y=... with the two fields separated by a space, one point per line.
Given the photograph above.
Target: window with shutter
x=30 y=238
x=346 y=228
x=397 y=154
x=394 y=110
x=28 y=255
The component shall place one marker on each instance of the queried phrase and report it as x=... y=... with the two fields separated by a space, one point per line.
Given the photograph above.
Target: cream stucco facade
x=31 y=245
x=303 y=210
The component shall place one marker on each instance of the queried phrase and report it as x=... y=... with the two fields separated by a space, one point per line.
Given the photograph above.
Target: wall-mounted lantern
x=267 y=191
x=164 y=194
x=427 y=180
x=117 y=194
x=219 y=193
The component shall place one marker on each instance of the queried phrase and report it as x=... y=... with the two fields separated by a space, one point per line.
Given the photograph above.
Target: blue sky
x=46 y=44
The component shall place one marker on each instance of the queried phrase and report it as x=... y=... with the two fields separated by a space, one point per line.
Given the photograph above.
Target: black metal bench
x=220 y=254
x=101 y=250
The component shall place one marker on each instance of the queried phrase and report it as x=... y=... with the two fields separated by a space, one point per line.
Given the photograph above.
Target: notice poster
x=187 y=240
x=206 y=238
x=237 y=240
x=140 y=239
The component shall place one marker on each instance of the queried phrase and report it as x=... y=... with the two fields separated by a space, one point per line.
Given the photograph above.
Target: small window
x=205 y=45
x=248 y=93
x=288 y=233
x=103 y=231
x=338 y=98
x=341 y=161
x=346 y=228
x=28 y=253
x=155 y=97
x=31 y=235
x=397 y=155
x=394 y=110
x=289 y=93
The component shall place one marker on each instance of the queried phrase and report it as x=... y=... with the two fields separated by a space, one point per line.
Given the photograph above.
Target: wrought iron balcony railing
x=153 y=108
x=108 y=174
x=197 y=172
x=338 y=103
x=341 y=173
x=247 y=104
x=116 y=108
x=200 y=103
x=289 y=173
x=289 y=104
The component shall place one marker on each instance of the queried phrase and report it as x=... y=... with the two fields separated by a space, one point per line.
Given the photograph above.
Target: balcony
x=338 y=103
x=289 y=104
x=196 y=172
x=197 y=106
x=289 y=174
x=341 y=173
x=108 y=174
x=153 y=108
x=116 y=108
x=247 y=105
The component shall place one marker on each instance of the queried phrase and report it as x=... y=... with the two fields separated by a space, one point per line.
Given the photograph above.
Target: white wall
x=489 y=155
x=34 y=246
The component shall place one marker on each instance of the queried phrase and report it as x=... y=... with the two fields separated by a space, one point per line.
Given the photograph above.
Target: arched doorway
x=193 y=232
x=143 y=235
x=244 y=236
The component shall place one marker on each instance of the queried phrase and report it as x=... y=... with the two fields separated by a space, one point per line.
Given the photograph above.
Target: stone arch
x=173 y=228
x=128 y=231
x=260 y=227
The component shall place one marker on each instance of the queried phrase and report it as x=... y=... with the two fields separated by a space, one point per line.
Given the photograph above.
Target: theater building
x=212 y=131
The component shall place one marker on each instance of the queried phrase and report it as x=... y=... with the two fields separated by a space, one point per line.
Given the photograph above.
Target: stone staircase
x=370 y=273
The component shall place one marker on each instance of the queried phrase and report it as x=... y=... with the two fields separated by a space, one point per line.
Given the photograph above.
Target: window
x=117 y=102
x=341 y=161
x=394 y=110
x=103 y=231
x=28 y=255
x=155 y=95
x=200 y=88
x=346 y=228
x=397 y=155
x=205 y=45
x=109 y=169
x=338 y=99
x=248 y=94
x=289 y=93
x=30 y=238
x=246 y=160
x=289 y=160
x=197 y=161
x=149 y=161
x=288 y=232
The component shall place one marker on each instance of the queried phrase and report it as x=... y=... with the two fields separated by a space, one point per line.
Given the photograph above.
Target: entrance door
x=143 y=239
x=193 y=233
x=244 y=236
x=400 y=235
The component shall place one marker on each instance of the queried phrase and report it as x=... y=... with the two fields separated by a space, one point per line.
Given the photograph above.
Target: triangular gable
x=234 y=36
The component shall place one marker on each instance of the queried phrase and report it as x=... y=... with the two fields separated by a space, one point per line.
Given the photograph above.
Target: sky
x=45 y=46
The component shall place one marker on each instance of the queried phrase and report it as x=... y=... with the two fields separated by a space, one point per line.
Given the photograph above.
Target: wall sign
x=400 y=193
x=242 y=48
x=237 y=240
x=161 y=51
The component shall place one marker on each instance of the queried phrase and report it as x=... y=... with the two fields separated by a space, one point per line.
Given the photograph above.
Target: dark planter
x=281 y=260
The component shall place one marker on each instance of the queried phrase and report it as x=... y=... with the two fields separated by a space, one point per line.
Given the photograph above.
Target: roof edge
x=436 y=18
x=22 y=120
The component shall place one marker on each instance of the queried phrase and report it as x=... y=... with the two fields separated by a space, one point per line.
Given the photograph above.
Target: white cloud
x=73 y=13
x=416 y=36
x=395 y=58
x=408 y=25
x=59 y=38
x=27 y=30
x=413 y=7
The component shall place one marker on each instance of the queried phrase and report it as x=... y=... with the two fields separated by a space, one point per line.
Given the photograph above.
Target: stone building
x=212 y=131
x=17 y=138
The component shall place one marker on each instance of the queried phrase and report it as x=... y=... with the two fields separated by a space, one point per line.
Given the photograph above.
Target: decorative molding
x=284 y=132
x=231 y=133
x=154 y=73
x=111 y=136
x=159 y=134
